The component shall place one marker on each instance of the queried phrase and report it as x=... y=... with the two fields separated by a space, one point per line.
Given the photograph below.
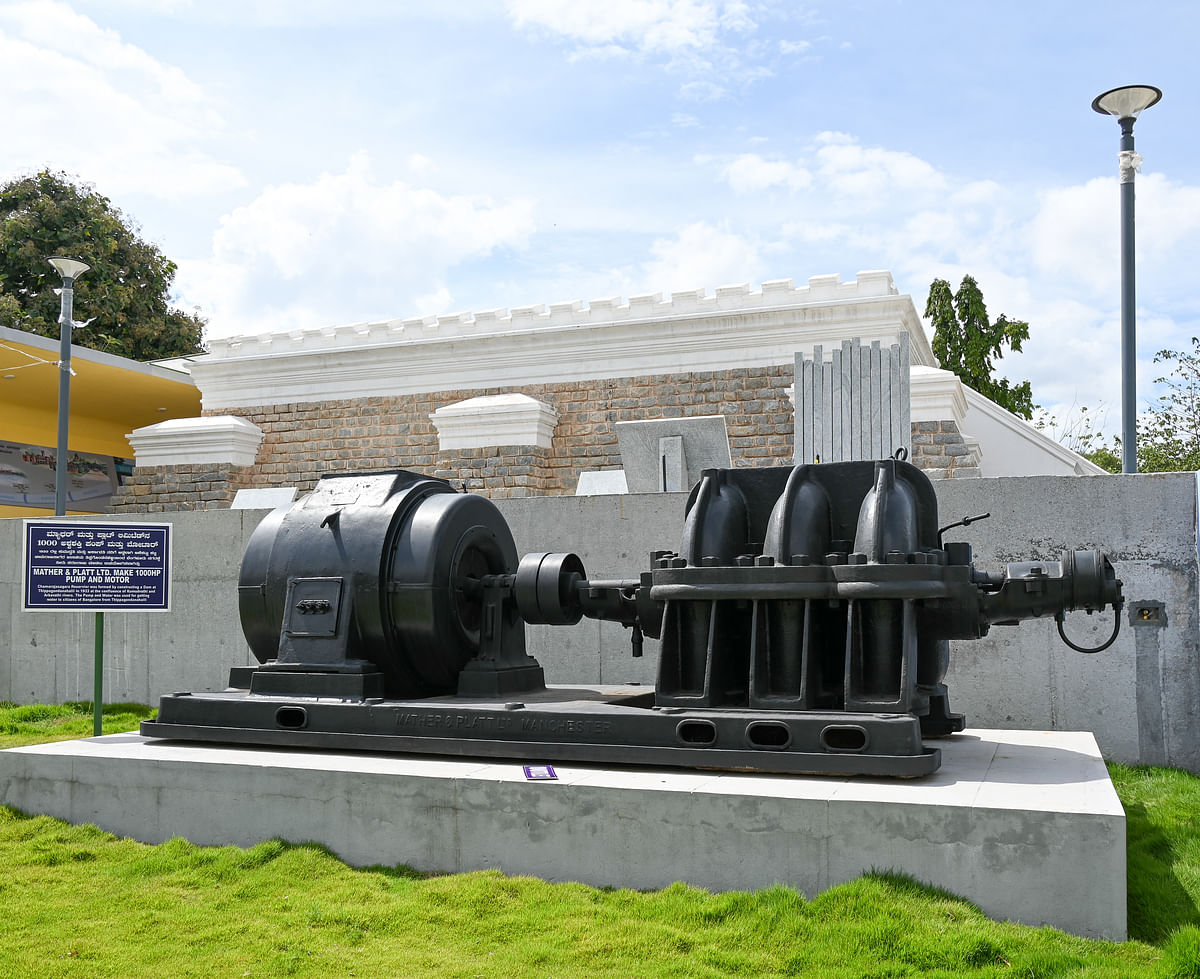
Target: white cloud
x=711 y=44
x=1168 y=237
x=700 y=256
x=750 y=173
x=795 y=47
x=854 y=176
x=599 y=52
x=735 y=16
x=652 y=26
x=702 y=91
x=81 y=97
x=291 y=14
x=1076 y=232
x=871 y=173
x=833 y=137
x=347 y=246
x=975 y=193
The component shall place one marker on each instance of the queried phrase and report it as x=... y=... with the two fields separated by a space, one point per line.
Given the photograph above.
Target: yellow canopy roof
x=110 y=396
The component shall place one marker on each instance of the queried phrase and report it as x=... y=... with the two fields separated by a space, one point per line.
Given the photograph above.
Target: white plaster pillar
x=190 y=441
x=498 y=419
x=937 y=395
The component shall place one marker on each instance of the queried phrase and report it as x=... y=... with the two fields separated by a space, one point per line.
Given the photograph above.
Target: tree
x=127 y=290
x=966 y=342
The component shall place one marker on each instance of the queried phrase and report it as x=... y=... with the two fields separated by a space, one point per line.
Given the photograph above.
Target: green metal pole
x=1128 y=308
x=98 y=679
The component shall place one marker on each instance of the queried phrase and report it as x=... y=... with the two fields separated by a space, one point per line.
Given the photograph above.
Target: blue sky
x=314 y=163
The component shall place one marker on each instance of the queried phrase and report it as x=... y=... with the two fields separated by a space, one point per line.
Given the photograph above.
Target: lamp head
x=1126 y=102
x=69 y=268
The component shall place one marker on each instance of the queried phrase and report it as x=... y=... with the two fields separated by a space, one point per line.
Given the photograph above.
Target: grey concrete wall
x=1141 y=695
x=47 y=657
x=1138 y=696
x=614 y=536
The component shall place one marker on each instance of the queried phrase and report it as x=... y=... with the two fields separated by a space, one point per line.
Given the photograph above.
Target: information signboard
x=98 y=567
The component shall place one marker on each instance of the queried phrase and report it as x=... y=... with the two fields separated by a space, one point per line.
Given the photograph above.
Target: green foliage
x=966 y=342
x=10 y=309
x=125 y=292
x=1079 y=430
x=1105 y=457
x=1169 y=434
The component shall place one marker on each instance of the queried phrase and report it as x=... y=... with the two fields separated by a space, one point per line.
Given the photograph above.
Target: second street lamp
x=70 y=270
x=1126 y=103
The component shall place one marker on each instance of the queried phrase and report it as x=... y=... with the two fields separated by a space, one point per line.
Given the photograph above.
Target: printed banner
x=27 y=478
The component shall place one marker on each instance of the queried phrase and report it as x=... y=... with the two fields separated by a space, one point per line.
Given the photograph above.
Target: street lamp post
x=1126 y=103
x=70 y=270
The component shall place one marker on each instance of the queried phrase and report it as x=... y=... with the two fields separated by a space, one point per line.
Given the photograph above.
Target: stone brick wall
x=940 y=450
x=304 y=440
x=201 y=486
x=498 y=471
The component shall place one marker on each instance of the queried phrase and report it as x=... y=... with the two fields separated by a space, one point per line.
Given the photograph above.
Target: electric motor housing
x=374 y=573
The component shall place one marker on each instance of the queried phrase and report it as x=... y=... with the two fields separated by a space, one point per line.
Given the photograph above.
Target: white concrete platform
x=1026 y=824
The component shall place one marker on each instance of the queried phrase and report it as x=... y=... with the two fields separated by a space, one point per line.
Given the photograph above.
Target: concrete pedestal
x=1025 y=824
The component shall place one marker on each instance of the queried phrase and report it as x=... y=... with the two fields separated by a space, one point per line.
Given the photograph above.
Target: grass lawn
x=78 y=902
x=41 y=723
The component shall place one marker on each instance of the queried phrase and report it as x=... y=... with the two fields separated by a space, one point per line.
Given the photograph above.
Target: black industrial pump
x=804 y=623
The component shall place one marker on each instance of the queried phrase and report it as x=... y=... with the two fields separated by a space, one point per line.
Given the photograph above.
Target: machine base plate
x=602 y=725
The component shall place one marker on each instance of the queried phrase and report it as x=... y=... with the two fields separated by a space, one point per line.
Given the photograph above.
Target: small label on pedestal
x=538 y=772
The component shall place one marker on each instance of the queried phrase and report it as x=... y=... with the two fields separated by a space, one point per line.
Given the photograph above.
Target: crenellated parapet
x=695 y=302
x=733 y=326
